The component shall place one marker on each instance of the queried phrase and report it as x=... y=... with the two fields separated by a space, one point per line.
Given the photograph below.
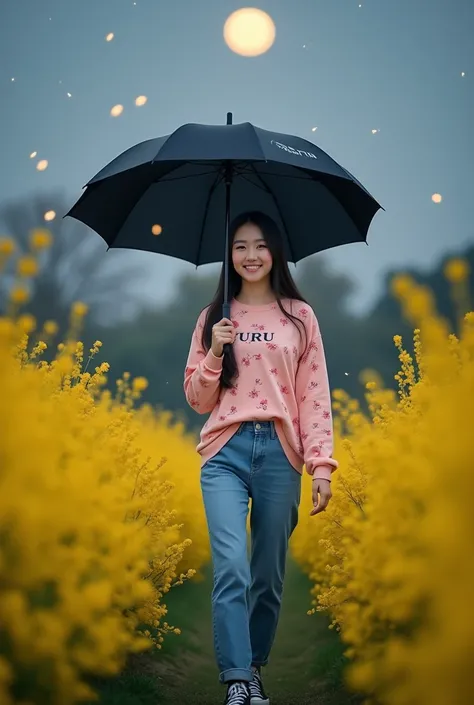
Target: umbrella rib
x=109 y=245
x=270 y=192
x=247 y=168
x=349 y=179
x=219 y=176
x=187 y=176
x=192 y=176
x=245 y=178
x=307 y=175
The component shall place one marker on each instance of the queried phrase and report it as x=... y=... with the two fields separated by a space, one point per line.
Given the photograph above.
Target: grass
x=305 y=667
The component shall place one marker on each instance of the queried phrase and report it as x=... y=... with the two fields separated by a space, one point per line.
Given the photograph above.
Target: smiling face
x=250 y=254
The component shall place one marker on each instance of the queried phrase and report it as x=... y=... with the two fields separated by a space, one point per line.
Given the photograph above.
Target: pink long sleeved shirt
x=271 y=385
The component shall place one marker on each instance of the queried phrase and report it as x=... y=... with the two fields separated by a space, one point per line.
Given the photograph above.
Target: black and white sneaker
x=257 y=693
x=238 y=693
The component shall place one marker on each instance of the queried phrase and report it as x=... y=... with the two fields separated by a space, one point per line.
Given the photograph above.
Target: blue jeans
x=246 y=597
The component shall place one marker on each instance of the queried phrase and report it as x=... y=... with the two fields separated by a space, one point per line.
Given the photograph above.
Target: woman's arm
x=313 y=397
x=202 y=373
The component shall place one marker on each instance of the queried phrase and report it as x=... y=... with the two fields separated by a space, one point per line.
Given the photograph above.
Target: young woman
x=270 y=405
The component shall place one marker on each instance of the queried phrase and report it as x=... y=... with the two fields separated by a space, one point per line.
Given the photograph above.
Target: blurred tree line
x=154 y=341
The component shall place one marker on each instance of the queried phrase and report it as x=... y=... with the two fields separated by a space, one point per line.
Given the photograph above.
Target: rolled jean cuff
x=236 y=674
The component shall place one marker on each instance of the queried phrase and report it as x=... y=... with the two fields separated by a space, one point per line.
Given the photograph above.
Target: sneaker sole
x=259 y=701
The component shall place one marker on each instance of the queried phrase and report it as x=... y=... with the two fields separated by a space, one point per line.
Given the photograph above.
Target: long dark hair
x=281 y=283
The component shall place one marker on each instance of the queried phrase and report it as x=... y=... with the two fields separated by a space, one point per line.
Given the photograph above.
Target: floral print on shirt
x=277 y=379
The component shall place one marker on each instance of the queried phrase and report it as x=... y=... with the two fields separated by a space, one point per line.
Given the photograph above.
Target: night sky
x=388 y=84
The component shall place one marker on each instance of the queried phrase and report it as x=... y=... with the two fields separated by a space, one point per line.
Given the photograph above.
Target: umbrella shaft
x=228 y=182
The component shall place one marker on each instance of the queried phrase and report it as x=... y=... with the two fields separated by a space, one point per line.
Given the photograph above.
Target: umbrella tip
x=229 y=118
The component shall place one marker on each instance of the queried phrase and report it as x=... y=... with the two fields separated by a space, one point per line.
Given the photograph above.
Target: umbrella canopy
x=173 y=194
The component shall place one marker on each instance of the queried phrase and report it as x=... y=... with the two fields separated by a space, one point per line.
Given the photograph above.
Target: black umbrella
x=171 y=194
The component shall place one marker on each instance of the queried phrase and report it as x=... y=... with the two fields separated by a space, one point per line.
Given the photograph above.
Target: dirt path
x=305 y=665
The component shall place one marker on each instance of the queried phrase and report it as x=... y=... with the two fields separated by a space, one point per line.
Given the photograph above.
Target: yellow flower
x=50 y=327
x=95 y=348
x=401 y=284
x=7 y=246
x=27 y=323
x=38 y=349
x=65 y=365
x=369 y=375
x=40 y=238
x=27 y=266
x=79 y=309
x=19 y=294
x=420 y=304
x=139 y=384
x=7 y=327
x=456 y=270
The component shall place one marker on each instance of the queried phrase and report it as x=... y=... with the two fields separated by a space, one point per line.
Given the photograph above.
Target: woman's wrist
x=213 y=362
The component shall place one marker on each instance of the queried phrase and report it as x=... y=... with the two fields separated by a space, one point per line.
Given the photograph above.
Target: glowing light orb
x=141 y=100
x=109 y=37
x=33 y=155
x=156 y=229
x=116 y=110
x=436 y=198
x=42 y=165
x=50 y=215
x=249 y=31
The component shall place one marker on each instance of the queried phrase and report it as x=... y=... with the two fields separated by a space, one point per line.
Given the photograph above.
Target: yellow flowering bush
x=27 y=266
x=390 y=557
x=7 y=247
x=97 y=519
x=40 y=239
x=457 y=272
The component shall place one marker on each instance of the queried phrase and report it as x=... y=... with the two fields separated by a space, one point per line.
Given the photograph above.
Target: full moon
x=249 y=31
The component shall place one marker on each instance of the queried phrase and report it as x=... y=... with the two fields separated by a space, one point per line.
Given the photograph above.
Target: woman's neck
x=255 y=301
x=255 y=298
